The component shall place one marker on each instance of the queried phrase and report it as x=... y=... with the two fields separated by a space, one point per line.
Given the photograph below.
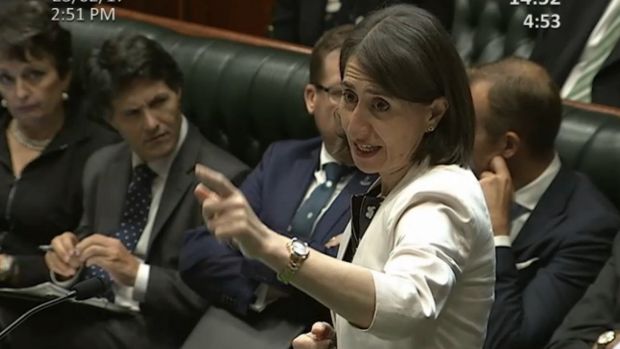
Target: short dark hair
x=330 y=40
x=409 y=54
x=523 y=98
x=121 y=61
x=26 y=29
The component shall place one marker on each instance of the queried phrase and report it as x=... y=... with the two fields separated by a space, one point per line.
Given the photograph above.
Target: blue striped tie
x=302 y=225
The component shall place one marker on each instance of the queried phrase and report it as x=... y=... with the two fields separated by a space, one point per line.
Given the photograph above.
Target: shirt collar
x=529 y=195
x=161 y=166
x=325 y=157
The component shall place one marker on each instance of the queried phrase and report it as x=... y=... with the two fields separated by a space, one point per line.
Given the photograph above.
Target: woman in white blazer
x=422 y=268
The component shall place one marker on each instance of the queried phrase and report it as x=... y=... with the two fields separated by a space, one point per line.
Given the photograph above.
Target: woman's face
x=32 y=89
x=383 y=131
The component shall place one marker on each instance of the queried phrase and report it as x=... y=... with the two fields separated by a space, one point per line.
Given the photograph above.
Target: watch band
x=295 y=261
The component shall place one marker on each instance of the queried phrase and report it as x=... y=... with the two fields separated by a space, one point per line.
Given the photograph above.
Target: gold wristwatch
x=299 y=252
x=605 y=339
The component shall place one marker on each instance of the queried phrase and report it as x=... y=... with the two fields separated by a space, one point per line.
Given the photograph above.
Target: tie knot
x=334 y=171
x=516 y=210
x=142 y=173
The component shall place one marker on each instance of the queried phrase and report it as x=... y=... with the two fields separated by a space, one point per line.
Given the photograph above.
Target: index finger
x=215 y=181
x=498 y=166
x=64 y=245
x=95 y=239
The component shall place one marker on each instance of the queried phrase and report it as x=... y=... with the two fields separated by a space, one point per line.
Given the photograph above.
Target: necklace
x=21 y=138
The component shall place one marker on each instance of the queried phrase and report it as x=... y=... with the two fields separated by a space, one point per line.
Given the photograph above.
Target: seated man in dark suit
x=553 y=229
x=582 y=54
x=138 y=200
x=300 y=188
x=593 y=321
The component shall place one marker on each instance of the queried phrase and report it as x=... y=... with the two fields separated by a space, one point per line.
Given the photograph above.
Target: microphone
x=89 y=288
x=80 y=291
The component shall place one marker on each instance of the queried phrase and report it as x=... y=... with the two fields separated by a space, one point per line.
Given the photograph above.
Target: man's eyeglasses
x=334 y=93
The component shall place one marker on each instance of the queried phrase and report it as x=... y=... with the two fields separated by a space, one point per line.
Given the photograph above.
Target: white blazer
x=431 y=253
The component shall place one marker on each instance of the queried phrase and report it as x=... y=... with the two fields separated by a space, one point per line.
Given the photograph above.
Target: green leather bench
x=243 y=97
x=487 y=30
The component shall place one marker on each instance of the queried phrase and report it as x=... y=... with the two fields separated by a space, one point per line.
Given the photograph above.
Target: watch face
x=299 y=248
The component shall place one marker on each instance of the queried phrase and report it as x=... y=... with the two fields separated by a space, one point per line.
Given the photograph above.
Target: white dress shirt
x=128 y=296
x=430 y=250
x=528 y=197
x=265 y=294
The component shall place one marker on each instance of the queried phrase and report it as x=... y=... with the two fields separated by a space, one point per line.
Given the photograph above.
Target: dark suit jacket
x=597 y=312
x=567 y=239
x=170 y=308
x=559 y=50
x=274 y=189
x=302 y=21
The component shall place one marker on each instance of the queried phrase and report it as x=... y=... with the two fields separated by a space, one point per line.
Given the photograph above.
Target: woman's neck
x=42 y=128
x=390 y=180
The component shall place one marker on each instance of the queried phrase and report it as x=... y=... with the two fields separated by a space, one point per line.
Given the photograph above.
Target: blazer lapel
x=180 y=180
x=359 y=183
x=111 y=192
x=548 y=213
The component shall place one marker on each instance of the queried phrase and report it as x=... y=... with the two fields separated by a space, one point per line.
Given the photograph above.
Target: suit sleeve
x=285 y=21
x=166 y=291
x=213 y=269
x=593 y=314
x=253 y=269
x=167 y=294
x=526 y=316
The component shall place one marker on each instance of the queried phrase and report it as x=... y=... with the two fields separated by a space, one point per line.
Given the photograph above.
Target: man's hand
x=61 y=258
x=334 y=241
x=498 y=191
x=110 y=254
x=322 y=336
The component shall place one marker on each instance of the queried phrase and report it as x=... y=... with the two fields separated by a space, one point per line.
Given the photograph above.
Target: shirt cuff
x=502 y=241
x=142 y=282
x=65 y=283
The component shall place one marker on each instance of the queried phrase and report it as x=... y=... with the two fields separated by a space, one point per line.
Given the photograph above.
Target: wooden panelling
x=244 y=16
x=593 y=107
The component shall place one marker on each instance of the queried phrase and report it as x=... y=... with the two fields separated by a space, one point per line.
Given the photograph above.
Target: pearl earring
x=430 y=129
x=65 y=96
x=3 y=103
